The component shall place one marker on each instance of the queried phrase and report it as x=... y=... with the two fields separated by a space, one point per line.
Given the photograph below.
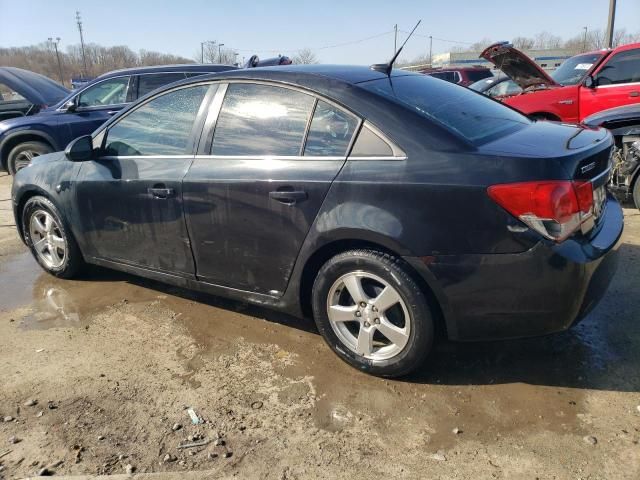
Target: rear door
x=267 y=158
x=617 y=83
x=129 y=199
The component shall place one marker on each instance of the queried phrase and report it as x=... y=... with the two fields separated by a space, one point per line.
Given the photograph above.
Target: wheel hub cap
x=368 y=316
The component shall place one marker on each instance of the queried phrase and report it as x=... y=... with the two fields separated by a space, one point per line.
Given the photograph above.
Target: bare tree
x=523 y=43
x=305 y=56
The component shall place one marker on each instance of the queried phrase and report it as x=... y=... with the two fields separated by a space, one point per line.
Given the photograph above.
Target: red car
x=464 y=76
x=582 y=85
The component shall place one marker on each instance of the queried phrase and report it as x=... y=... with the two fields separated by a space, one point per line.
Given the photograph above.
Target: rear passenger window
x=160 y=127
x=370 y=144
x=330 y=132
x=258 y=120
x=148 y=83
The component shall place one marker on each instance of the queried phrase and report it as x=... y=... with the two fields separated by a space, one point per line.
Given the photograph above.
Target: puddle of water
x=486 y=390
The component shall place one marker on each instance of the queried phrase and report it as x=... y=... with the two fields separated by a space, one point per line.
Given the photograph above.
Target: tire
x=403 y=314
x=22 y=154
x=636 y=193
x=49 y=238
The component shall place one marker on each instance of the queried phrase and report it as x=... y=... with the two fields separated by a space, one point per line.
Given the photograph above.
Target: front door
x=617 y=83
x=253 y=193
x=95 y=105
x=130 y=198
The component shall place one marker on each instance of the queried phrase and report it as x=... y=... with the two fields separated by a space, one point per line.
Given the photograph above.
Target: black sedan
x=384 y=205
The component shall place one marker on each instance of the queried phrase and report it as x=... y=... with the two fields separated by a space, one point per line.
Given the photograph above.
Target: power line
x=439 y=39
x=324 y=47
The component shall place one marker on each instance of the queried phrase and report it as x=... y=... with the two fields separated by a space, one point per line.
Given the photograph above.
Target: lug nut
x=376 y=321
x=362 y=304
x=358 y=313
x=367 y=324
x=374 y=308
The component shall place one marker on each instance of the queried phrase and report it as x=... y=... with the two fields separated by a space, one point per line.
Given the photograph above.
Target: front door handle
x=634 y=94
x=288 y=197
x=112 y=112
x=161 y=192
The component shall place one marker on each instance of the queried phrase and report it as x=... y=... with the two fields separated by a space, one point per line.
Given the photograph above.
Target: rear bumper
x=543 y=290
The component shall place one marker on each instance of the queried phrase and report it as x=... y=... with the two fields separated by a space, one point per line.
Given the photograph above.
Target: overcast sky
x=270 y=27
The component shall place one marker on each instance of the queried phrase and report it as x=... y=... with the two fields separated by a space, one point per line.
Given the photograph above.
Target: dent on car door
x=130 y=198
x=260 y=178
x=616 y=83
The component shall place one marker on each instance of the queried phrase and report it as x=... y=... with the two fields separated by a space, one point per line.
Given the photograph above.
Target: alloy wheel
x=368 y=315
x=24 y=158
x=47 y=238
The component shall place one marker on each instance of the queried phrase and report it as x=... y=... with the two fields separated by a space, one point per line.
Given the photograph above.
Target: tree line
x=586 y=41
x=42 y=59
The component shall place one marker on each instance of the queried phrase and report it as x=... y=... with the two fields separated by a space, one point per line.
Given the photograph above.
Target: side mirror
x=590 y=82
x=80 y=150
x=70 y=106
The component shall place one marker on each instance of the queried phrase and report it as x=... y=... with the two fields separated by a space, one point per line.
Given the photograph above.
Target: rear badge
x=588 y=168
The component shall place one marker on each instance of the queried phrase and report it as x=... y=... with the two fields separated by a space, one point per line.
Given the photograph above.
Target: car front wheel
x=22 y=154
x=49 y=239
x=636 y=193
x=372 y=313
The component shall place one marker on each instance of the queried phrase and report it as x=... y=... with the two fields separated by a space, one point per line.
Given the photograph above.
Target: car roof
x=187 y=67
x=349 y=74
x=36 y=88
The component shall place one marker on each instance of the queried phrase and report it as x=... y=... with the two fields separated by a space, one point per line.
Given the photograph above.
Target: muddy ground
x=113 y=362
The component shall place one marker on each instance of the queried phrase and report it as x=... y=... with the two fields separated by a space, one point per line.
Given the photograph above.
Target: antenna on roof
x=387 y=67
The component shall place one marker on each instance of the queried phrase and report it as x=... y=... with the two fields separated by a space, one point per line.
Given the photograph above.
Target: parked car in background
x=254 y=61
x=496 y=87
x=25 y=93
x=82 y=111
x=464 y=76
x=624 y=124
x=582 y=85
x=384 y=204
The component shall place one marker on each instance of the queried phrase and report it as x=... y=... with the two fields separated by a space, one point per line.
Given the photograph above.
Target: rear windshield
x=471 y=115
x=573 y=70
x=475 y=75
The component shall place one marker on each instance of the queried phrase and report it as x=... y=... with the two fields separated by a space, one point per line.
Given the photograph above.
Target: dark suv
x=84 y=110
x=464 y=76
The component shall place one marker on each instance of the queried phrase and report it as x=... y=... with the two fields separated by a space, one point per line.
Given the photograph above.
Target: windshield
x=476 y=75
x=471 y=115
x=573 y=70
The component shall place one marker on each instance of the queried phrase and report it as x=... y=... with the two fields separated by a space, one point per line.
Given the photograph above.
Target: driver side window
x=109 y=92
x=161 y=126
x=624 y=67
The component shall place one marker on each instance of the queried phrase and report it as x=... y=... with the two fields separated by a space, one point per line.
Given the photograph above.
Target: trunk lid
x=522 y=69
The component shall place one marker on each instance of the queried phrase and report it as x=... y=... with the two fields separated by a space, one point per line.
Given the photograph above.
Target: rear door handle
x=634 y=94
x=288 y=197
x=161 y=193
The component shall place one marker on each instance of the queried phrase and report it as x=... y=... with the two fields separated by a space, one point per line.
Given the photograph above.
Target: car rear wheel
x=49 y=239
x=372 y=313
x=636 y=193
x=22 y=154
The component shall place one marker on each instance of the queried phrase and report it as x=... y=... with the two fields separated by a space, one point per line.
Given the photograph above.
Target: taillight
x=554 y=208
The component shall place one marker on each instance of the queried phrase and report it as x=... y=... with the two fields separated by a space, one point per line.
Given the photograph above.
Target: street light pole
x=220 y=45
x=430 y=51
x=395 y=38
x=202 y=44
x=584 y=43
x=55 y=46
x=610 y=23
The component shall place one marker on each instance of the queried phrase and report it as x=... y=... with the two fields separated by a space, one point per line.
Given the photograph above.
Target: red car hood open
x=522 y=69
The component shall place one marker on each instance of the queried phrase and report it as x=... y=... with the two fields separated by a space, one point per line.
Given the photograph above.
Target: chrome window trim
x=249 y=157
x=618 y=85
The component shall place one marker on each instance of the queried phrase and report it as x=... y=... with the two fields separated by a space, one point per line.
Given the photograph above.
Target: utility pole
x=220 y=45
x=430 y=51
x=395 y=38
x=610 y=23
x=84 y=57
x=55 y=45
x=584 y=43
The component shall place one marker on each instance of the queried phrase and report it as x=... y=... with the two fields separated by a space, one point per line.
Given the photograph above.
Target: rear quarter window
x=468 y=114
